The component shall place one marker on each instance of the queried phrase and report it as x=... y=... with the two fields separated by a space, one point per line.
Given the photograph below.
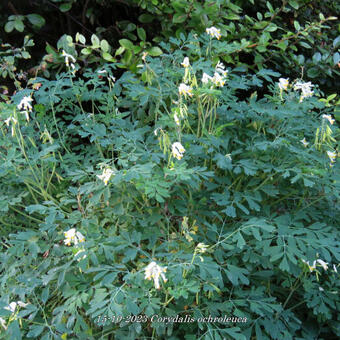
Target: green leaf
x=45 y=295
x=80 y=38
x=86 y=51
x=236 y=275
x=304 y=44
x=313 y=72
x=108 y=57
x=36 y=20
x=126 y=44
x=19 y=25
x=294 y=4
x=155 y=51
x=132 y=307
x=179 y=18
x=9 y=26
x=230 y=211
x=14 y=331
x=336 y=42
x=120 y=50
x=146 y=18
x=240 y=240
x=65 y=7
x=104 y=45
x=297 y=25
x=35 y=331
x=141 y=33
x=95 y=41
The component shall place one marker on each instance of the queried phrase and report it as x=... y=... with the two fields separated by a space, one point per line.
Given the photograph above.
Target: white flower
x=221 y=68
x=218 y=80
x=154 y=271
x=228 y=156
x=305 y=89
x=321 y=289
x=11 y=307
x=178 y=150
x=323 y=264
x=283 y=83
x=25 y=104
x=8 y=120
x=80 y=257
x=3 y=323
x=144 y=56
x=106 y=175
x=201 y=248
x=214 y=32
x=329 y=118
x=331 y=155
x=304 y=142
x=79 y=237
x=206 y=78
x=185 y=62
x=102 y=71
x=334 y=268
x=177 y=121
x=68 y=57
x=311 y=268
x=22 y=304
x=73 y=236
x=185 y=90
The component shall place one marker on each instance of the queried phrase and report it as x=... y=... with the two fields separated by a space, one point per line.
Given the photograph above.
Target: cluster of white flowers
x=178 y=150
x=73 y=236
x=154 y=271
x=25 y=106
x=306 y=89
x=219 y=77
x=214 y=32
x=304 y=142
x=69 y=57
x=12 y=307
x=184 y=89
x=283 y=84
x=329 y=118
x=322 y=263
x=332 y=157
x=106 y=175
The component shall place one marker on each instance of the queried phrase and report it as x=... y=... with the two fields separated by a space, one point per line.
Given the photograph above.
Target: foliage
x=291 y=37
x=232 y=211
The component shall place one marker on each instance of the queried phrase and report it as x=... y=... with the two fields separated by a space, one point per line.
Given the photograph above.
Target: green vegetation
x=183 y=171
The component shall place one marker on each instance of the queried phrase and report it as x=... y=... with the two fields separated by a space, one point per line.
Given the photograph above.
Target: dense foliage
x=171 y=190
